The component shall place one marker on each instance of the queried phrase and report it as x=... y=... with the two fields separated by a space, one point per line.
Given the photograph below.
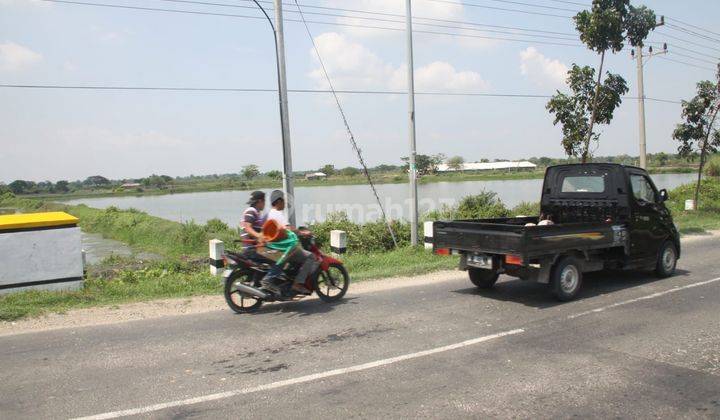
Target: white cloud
x=353 y=66
x=541 y=70
x=442 y=76
x=14 y=57
x=435 y=10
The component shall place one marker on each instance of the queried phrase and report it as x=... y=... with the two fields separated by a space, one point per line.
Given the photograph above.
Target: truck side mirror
x=664 y=195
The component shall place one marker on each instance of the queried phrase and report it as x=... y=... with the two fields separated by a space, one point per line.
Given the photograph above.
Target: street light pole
x=412 y=173
x=284 y=114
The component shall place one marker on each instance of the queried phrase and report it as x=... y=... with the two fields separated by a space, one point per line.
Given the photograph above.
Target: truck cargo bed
x=510 y=236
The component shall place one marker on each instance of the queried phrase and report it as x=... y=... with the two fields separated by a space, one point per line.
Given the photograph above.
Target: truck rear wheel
x=483 y=279
x=667 y=260
x=566 y=279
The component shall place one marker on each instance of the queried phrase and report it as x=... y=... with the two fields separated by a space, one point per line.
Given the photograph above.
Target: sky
x=54 y=134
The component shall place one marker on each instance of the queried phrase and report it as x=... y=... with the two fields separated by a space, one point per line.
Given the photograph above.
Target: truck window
x=642 y=189
x=583 y=184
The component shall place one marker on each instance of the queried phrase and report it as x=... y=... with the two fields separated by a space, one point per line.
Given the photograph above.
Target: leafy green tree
x=275 y=174
x=96 y=181
x=328 y=170
x=699 y=133
x=21 y=187
x=62 y=186
x=456 y=163
x=425 y=164
x=250 y=171
x=349 y=171
x=605 y=27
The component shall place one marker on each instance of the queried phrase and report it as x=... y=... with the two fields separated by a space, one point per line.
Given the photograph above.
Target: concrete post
x=217 y=250
x=338 y=241
x=428 y=233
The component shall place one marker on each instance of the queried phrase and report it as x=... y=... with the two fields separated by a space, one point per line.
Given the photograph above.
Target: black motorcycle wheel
x=331 y=285
x=240 y=303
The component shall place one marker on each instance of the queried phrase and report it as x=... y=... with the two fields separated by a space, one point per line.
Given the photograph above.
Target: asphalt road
x=631 y=347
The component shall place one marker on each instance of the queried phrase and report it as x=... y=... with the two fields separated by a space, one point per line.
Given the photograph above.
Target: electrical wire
x=527 y=12
x=353 y=142
x=684 y=63
x=691 y=32
x=665 y=34
x=691 y=25
x=693 y=58
x=462 y=35
x=312 y=91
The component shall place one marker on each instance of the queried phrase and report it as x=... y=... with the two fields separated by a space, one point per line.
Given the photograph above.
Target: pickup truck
x=603 y=216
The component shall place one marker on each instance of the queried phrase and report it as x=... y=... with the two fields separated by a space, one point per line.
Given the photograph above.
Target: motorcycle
x=242 y=277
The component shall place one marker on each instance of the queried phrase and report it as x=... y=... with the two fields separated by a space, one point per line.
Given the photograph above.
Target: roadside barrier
x=40 y=251
x=217 y=250
x=338 y=241
x=428 y=234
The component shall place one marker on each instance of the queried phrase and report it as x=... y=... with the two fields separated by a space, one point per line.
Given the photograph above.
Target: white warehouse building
x=488 y=166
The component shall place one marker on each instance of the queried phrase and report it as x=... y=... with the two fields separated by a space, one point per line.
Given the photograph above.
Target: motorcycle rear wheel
x=331 y=285
x=240 y=303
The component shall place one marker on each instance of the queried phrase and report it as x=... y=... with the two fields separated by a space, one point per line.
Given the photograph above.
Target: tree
x=62 y=186
x=96 y=181
x=328 y=170
x=456 y=163
x=700 y=132
x=250 y=171
x=605 y=27
x=21 y=187
x=349 y=171
x=425 y=164
x=275 y=174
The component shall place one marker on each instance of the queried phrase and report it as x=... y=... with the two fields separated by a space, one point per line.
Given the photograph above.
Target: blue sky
x=71 y=134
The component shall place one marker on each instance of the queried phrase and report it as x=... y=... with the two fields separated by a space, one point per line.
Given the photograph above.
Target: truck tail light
x=513 y=260
x=442 y=251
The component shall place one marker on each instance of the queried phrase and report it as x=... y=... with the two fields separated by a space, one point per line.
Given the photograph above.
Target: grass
x=172 y=279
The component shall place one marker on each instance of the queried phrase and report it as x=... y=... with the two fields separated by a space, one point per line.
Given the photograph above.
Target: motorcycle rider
x=251 y=225
x=293 y=252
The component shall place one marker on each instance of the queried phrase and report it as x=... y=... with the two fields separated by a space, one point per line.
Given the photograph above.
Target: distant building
x=315 y=175
x=488 y=166
x=131 y=185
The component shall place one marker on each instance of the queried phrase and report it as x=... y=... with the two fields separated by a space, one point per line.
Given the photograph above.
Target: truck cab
x=593 y=217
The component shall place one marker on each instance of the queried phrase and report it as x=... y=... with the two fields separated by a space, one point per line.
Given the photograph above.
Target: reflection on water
x=314 y=203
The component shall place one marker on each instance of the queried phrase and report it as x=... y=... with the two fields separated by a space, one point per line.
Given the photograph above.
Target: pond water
x=315 y=203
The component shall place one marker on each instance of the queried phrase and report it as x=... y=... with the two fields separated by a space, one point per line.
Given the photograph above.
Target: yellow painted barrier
x=37 y=220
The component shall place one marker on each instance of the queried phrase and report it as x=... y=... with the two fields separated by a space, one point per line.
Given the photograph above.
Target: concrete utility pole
x=284 y=115
x=413 y=150
x=638 y=55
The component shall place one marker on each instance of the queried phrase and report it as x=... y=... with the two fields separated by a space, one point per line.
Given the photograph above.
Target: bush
x=527 y=208
x=709 y=195
x=216 y=226
x=713 y=167
x=481 y=206
x=362 y=238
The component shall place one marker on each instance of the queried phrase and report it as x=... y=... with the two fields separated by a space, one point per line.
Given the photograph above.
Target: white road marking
x=301 y=379
x=647 y=297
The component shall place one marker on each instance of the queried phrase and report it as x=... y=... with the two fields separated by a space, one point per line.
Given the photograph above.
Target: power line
x=693 y=58
x=152 y=9
x=312 y=91
x=527 y=12
x=665 y=34
x=691 y=25
x=690 y=32
x=376 y=13
x=687 y=64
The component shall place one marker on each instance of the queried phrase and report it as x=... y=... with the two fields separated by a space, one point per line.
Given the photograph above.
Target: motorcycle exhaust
x=244 y=288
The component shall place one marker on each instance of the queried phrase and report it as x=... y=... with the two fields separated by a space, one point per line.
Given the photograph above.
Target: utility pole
x=638 y=54
x=284 y=115
x=413 y=151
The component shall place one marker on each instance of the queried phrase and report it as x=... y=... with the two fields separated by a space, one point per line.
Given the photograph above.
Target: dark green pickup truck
x=602 y=216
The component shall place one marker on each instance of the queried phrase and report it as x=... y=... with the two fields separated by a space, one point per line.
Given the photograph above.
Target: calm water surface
x=314 y=203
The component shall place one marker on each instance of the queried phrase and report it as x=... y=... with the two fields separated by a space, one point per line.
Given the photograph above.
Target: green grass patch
x=108 y=286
